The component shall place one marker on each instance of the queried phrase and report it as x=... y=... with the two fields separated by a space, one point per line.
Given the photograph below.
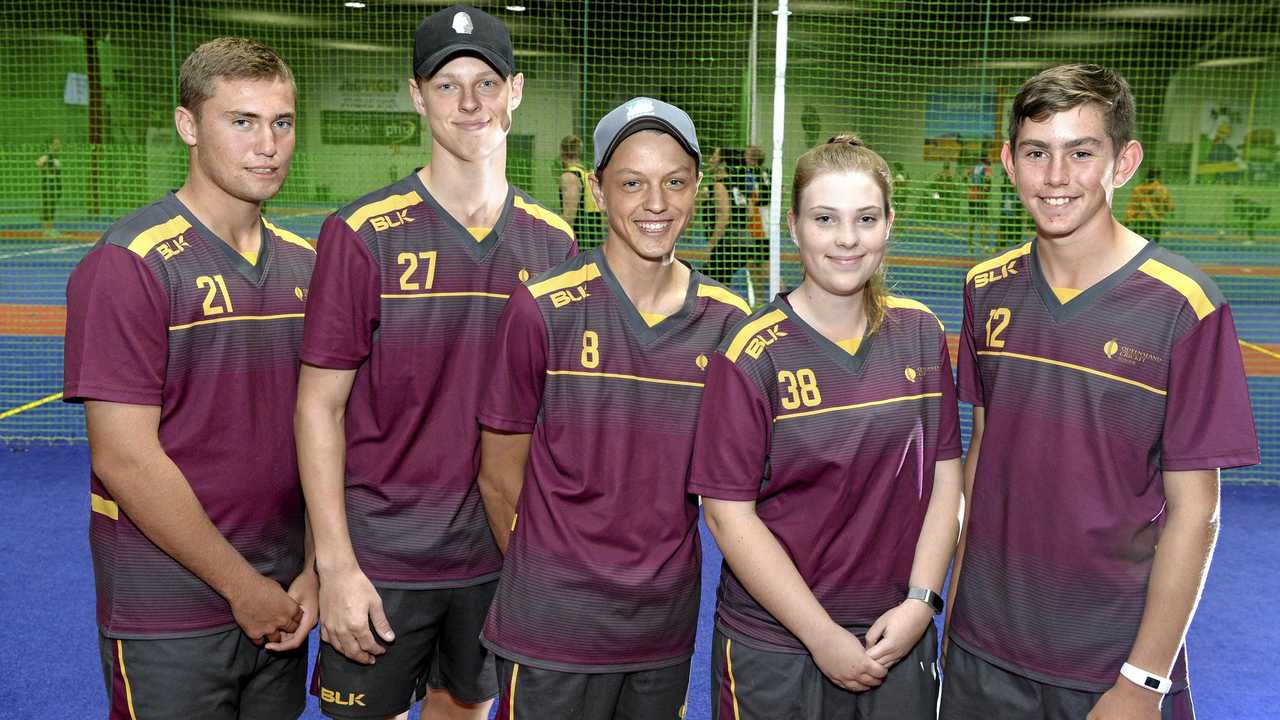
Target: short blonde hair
x=843 y=153
x=227 y=58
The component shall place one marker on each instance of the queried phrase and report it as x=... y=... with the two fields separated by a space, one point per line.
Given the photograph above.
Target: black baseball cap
x=462 y=30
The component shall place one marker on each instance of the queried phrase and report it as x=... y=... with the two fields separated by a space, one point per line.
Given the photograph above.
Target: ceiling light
x=1231 y=61
x=354 y=4
x=789 y=13
x=1086 y=38
x=1020 y=18
x=256 y=17
x=355 y=46
x=1156 y=12
x=1011 y=64
x=517 y=8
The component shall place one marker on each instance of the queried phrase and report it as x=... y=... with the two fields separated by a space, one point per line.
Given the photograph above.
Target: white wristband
x=1144 y=679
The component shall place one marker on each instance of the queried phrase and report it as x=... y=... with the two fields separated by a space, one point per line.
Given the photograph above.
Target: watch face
x=1152 y=683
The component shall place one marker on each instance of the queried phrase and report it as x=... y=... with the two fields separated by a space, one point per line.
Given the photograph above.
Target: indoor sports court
x=88 y=94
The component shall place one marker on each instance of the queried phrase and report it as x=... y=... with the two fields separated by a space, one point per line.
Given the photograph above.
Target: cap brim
x=648 y=122
x=433 y=62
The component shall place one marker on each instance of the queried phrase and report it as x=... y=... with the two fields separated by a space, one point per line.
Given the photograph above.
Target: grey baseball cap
x=644 y=113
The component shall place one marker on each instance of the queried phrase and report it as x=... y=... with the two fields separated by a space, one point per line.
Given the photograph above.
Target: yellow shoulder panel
x=715 y=292
x=997 y=261
x=153 y=236
x=382 y=207
x=103 y=506
x=749 y=330
x=902 y=302
x=1179 y=281
x=586 y=273
x=544 y=215
x=289 y=237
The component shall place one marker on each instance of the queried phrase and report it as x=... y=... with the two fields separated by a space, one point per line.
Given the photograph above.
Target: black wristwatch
x=925 y=595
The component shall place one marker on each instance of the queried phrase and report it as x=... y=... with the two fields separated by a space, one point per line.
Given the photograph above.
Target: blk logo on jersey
x=701 y=361
x=349 y=699
x=990 y=276
x=560 y=298
x=169 y=248
x=391 y=220
x=764 y=340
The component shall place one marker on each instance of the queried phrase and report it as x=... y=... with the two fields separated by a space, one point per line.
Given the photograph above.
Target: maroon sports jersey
x=162 y=312
x=1087 y=403
x=837 y=450
x=409 y=299
x=602 y=573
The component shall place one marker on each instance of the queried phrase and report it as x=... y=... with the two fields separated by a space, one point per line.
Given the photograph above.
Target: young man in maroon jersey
x=1108 y=391
x=183 y=329
x=588 y=434
x=409 y=284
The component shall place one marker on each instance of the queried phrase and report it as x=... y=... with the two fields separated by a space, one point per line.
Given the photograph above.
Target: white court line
x=42 y=251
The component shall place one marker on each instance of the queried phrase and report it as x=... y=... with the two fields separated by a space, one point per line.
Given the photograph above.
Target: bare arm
x=125 y=450
x=966 y=500
x=503 y=457
x=896 y=632
x=760 y=563
x=348 y=601
x=570 y=191
x=723 y=211
x=937 y=542
x=305 y=590
x=1177 y=579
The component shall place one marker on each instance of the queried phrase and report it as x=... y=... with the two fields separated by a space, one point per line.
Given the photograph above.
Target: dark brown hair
x=1066 y=87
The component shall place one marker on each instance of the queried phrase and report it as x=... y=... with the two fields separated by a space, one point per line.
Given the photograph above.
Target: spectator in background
x=50 y=184
x=739 y=239
x=979 y=189
x=902 y=187
x=1148 y=207
x=942 y=190
x=577 y=206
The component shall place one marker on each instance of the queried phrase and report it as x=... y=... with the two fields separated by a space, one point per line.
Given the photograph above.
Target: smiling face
x=841 y=227
x=647 y=192
x=242 y=137
x=468 y=106
x=1066 y=171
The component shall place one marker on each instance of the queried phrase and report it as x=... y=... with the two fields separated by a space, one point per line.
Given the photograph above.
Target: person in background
x=577 y=206
x=1149 y=206
x=50 y=184
x=978 y=192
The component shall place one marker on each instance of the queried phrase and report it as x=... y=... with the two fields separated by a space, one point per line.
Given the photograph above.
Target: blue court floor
x=50 y=668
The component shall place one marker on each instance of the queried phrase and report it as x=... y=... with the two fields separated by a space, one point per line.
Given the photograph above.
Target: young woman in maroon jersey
x=827 y=456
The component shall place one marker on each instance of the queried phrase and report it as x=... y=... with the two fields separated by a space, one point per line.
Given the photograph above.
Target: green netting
x=928 y=84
